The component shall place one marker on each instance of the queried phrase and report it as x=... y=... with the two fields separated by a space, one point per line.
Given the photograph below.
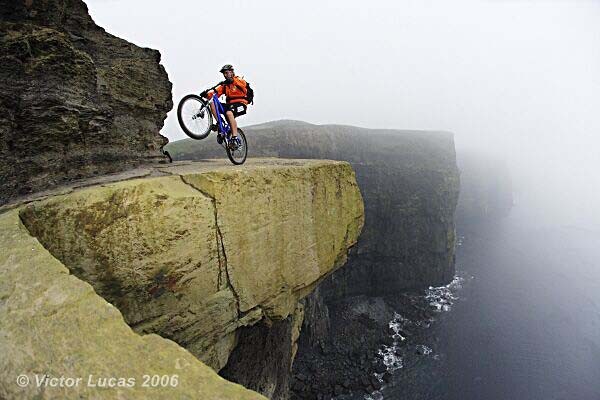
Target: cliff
x=188 y=256
x=410 y=185
x=75 y=101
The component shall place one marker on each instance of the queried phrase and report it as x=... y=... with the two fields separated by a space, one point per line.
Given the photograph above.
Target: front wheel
x=238 y=155
x=194 y=116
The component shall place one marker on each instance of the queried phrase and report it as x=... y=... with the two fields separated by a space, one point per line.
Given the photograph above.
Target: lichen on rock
x=192 y=255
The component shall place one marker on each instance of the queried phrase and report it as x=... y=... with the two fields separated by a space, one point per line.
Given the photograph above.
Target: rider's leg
x=213 y=110
x=232 y=122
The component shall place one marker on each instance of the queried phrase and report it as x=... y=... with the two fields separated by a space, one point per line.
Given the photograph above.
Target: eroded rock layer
x=75 y=101
x=192 y=255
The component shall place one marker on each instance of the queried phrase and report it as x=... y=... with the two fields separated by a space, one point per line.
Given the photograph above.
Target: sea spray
x=437 y=299
x=389 y=354
x=441 y=298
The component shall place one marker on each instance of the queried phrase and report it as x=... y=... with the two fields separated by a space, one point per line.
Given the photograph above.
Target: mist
x=517 y=80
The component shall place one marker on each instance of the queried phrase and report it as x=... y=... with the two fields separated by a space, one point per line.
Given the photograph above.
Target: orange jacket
x=235 y=92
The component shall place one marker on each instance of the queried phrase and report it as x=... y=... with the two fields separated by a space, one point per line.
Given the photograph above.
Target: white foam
x=424 y=349
x=389 y=355
x=376 y=395
x=441 y=298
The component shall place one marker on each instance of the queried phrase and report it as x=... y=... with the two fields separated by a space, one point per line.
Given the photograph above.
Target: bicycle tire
x=198 y=127
x=235 y=157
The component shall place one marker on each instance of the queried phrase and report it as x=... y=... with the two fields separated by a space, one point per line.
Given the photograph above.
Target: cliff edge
x=410 y=184
x=190 y=253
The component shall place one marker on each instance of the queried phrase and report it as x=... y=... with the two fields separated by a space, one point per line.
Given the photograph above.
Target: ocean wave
x=442 y=298
x=438 y=299
x=389 y=354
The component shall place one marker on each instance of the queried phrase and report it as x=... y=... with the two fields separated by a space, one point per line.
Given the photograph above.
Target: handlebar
x=205 y=93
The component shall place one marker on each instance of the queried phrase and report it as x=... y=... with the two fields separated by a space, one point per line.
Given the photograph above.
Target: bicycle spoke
x=238 y=155
x=194 y=116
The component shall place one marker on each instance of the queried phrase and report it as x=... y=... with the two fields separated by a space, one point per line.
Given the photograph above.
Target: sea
x=520 y=320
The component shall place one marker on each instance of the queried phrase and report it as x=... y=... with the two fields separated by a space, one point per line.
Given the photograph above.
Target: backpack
x=249 y=94
x=249 y=91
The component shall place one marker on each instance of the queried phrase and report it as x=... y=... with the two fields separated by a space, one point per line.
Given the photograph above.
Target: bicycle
x=196 y=120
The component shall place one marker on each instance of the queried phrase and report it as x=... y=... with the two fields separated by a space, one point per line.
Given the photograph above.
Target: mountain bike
x=196 y=120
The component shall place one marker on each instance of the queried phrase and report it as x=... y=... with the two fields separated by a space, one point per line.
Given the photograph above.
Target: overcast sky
x=518 y=78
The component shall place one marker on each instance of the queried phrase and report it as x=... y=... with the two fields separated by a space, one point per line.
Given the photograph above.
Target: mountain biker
x=237 y=93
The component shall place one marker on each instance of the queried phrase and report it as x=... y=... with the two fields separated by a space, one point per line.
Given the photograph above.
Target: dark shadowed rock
x=262 y=360
x=75 y=101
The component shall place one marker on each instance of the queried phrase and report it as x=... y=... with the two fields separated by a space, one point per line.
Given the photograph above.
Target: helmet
x=227 y=67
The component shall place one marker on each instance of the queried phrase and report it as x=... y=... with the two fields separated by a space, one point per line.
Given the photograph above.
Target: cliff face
x=75 y=101
x=410 y=185
x=193 y=254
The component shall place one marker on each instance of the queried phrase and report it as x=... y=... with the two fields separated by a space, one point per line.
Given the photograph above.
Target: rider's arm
x=218 y=90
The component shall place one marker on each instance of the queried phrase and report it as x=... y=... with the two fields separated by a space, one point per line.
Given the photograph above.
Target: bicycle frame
x=223 y=126
x=224 y=137
x=236 y=147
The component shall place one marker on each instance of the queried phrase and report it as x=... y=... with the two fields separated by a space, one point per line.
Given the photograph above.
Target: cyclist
x=237 y=93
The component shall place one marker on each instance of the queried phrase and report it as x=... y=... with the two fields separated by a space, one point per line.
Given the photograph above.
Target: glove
x=204 y=94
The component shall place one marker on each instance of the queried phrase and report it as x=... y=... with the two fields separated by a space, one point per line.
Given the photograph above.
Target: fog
x=515 y=79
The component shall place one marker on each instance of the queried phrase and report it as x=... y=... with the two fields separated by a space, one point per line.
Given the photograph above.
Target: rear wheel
x=194 y=116
x=238 y=155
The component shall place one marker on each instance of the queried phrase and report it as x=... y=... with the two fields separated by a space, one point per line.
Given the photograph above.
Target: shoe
x=214 y=128
x=219 y=139
x=234 y=143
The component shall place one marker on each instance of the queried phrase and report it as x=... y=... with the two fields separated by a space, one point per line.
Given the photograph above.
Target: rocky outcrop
x=343 y=360
x=261 y=360
x=205 y=255
x=410 y=184
x=75 y=101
